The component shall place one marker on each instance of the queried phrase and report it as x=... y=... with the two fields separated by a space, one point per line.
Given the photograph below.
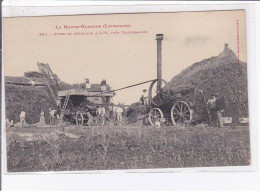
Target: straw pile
x=223 y=74
x=31 y=99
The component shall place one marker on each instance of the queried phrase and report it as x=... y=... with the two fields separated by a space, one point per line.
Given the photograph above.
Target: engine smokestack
x=159 y=38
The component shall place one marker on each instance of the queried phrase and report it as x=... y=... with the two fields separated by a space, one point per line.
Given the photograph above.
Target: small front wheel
x=155 y=115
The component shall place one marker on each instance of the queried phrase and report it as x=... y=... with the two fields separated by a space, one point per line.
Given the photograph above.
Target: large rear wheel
x=181 y=113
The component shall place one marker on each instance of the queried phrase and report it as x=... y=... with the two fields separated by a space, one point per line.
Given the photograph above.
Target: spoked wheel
x=79 y=119
x=155 y=115
x=181 y=113
x=158 y=97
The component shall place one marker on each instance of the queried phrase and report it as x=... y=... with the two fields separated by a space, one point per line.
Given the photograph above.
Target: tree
x=33 y=74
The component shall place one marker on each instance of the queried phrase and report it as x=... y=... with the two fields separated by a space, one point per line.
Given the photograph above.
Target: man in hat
x=220 y=106
x=211 y=106
x=144 y=99
x=87 y=84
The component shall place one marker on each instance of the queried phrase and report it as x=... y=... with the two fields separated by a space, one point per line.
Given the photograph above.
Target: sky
x=121 y=58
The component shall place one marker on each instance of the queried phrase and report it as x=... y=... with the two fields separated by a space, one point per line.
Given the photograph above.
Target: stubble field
x=78 y=148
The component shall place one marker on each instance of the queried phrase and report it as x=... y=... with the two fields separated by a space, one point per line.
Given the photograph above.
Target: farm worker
x=112 y=110
x=52 y=116
x=142 y=100
x=22 y=119
x=87 y=84
x=145 y=99
x=56 y=117
x=119 y=113
x=211 y=105
x=42 y=118
x=103 y=85
x=90 y=118
x=101 y=111
x=220 y=106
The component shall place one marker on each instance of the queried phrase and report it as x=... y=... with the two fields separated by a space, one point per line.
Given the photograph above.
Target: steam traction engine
x=167 y=105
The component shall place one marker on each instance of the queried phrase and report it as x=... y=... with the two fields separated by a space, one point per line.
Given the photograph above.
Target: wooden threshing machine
x=75 y=104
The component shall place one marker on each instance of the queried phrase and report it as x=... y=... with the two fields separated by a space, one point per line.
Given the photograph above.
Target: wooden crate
x=244 y=120
x=227 y=120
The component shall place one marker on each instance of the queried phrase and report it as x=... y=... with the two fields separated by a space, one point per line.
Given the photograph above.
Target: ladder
x=64 y=106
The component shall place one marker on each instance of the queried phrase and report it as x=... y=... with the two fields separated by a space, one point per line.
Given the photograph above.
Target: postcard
x=126 y=91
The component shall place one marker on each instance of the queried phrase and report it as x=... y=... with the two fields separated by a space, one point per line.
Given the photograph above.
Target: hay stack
x=30 y=98
x=223 y=74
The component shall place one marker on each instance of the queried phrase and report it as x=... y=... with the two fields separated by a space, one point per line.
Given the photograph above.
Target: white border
x=40 y=9
x=44 y=8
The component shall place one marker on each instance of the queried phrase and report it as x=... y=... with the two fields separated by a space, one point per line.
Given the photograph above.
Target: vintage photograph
x=126 y=91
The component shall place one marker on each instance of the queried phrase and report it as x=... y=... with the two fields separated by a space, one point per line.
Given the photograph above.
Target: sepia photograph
x=126 y=91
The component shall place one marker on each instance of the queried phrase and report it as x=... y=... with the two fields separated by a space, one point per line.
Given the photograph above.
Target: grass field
x=98 y=148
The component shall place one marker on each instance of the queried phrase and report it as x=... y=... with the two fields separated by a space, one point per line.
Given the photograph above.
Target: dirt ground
x=71 y=148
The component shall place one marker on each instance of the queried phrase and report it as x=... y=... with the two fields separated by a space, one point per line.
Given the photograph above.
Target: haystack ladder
x=64 y=106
